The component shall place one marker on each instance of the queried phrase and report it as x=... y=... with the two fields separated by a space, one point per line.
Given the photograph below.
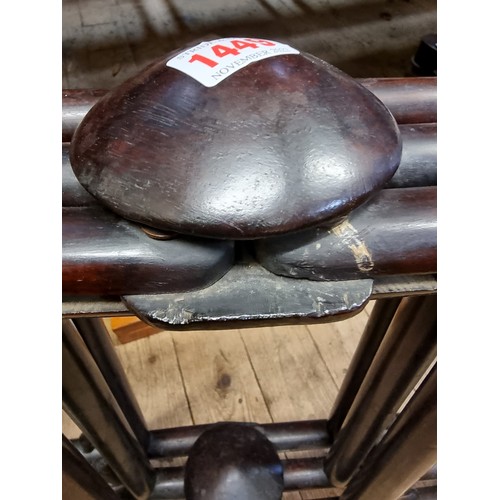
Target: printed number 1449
x=224 y=50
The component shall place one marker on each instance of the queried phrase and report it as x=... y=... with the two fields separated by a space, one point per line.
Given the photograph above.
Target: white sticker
x=211 y=62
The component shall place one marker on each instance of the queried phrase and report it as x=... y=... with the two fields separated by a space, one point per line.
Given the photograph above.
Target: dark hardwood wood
x=375 y=330
x=73 y=193
x=408 y=99
x=79 y=480
x=393 y=233
x=87 y=399
x=280 y=145
x=408 y=449
x=298 y=435
x=233 y=460
x=76 y=103
x=103 y=254
x=404 y=356
x=418 y=165
x=411 y=100
x=96 y=337
x=299 y=474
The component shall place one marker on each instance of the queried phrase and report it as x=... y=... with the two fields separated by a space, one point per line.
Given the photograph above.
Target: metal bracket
x=267 y=298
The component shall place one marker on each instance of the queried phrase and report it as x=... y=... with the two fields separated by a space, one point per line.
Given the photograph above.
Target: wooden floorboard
x=293 y=376
x=255 y=374
x=337 y=341
x=218 y=377
x=294 y=380
x=152 y=368
x=270 y=374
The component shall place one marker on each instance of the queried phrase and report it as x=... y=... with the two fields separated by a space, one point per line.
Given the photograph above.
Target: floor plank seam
x=183 y=382
x=318 y=350
x=256 y=377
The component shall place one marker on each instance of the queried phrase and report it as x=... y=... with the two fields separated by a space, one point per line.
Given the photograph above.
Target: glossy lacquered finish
x=401 y=96
x=89 y=402
x=76 y=103
x=418 y=165
x=298 y=473
x=393 y=233
x=411 y=100
x=233 y=460
x=406 y=353
x=103 y=254
x=407 y=450
x=98 y=342
x=73 y=193
x=306 y=434
x=282 y=144
x=373 y=334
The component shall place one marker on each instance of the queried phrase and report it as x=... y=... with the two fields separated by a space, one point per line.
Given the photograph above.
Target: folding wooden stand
x=398 y=345
x=381 y=434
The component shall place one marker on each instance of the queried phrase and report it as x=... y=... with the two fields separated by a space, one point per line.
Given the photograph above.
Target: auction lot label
x=211 y=62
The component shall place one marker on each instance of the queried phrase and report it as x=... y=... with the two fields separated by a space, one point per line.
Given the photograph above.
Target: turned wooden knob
x=233 y=461
x=273 y=145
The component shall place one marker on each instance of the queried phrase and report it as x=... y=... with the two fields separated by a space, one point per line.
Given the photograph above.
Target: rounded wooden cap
x=233 y=460
x=281 y=144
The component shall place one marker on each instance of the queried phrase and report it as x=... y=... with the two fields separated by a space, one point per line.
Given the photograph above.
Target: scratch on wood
x=360 y=252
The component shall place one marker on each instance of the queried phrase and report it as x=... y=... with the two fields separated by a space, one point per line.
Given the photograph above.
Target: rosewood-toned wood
x=233 y=460
x=98 y=342
x=89 y=402
x=393 y=233
x=76 y=103
x=406 y=353
x=400 y=95
x=407 y=450
x=282 y=144
x=376 y=327
x=73 y=193
x=103 y=254
x=418 y=165
x=411 y=100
